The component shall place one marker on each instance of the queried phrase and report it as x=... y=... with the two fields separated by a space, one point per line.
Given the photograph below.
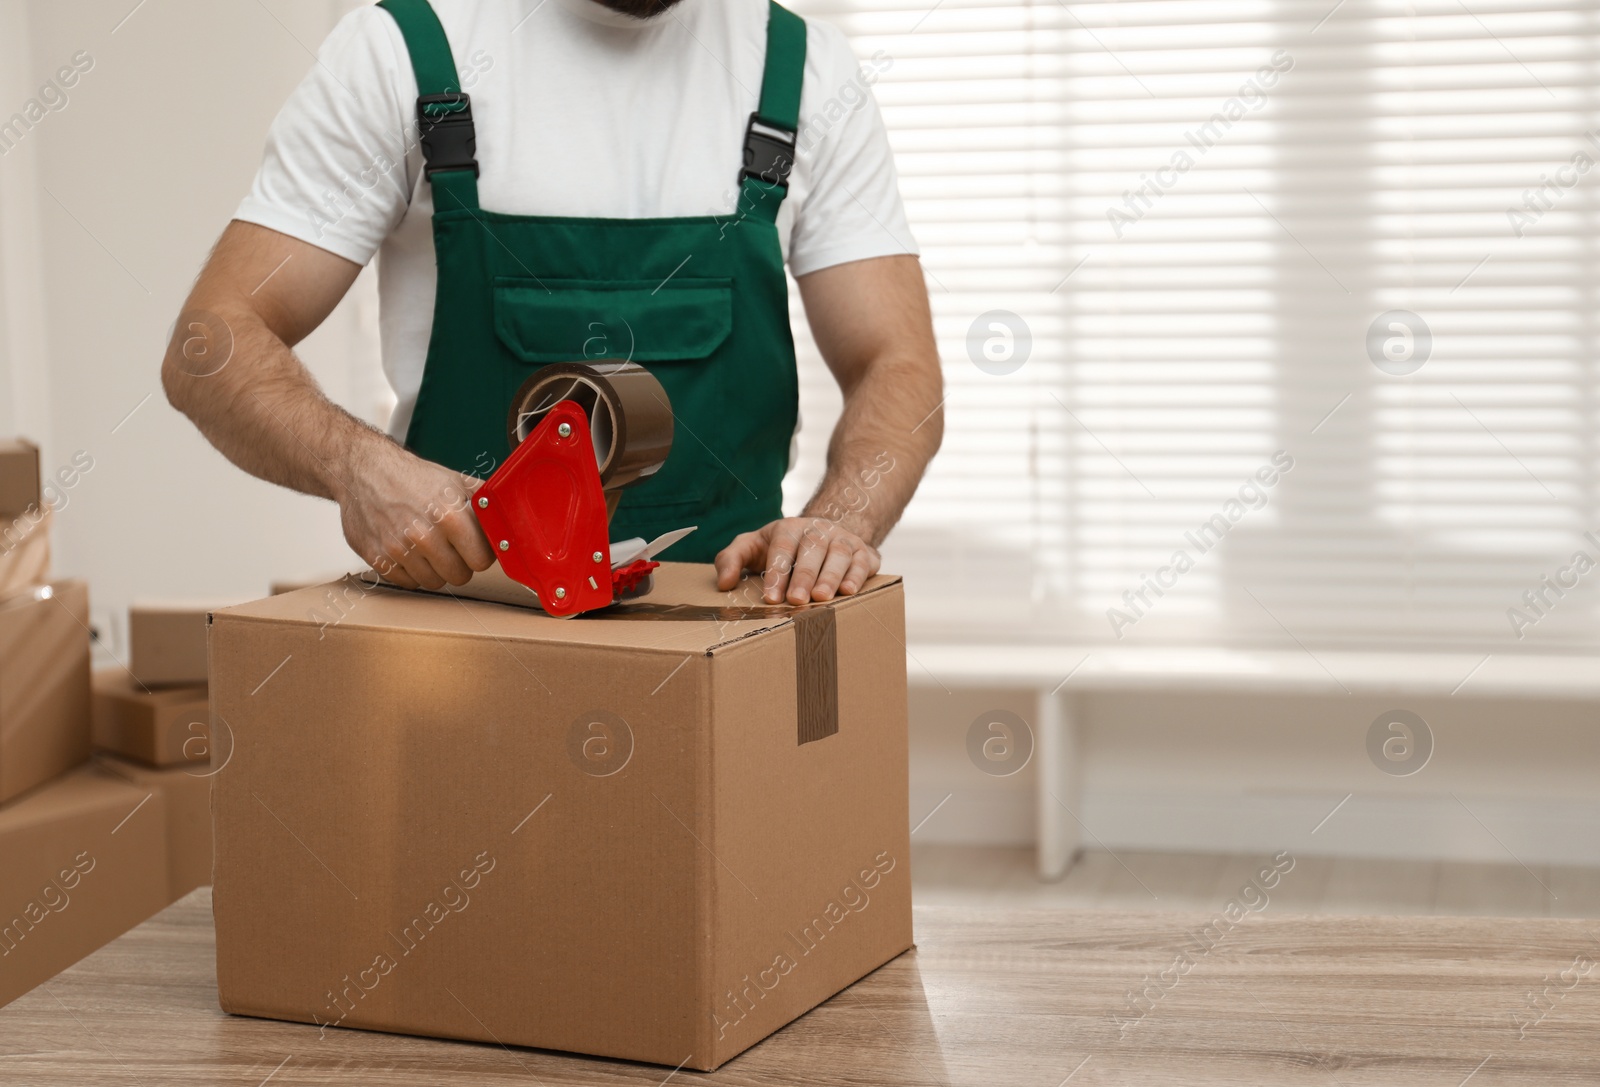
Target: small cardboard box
x=24 y=550
x=19 y=477
x=658 y=832
x=84 y=859
x=158 y=726
x=167 y=642
x=44 y=684
x=186 y=792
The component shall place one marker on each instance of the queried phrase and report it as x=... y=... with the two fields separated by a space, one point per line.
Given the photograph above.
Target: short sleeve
x=851 y=207
x=339 y=165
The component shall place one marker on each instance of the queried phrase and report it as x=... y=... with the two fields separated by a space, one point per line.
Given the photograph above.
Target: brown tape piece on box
x=816 y=669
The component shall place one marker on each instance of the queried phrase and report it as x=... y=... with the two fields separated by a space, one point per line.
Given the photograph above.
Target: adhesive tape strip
x=630 y=419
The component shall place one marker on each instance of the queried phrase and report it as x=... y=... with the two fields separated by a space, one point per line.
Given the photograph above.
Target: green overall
x=701 y=302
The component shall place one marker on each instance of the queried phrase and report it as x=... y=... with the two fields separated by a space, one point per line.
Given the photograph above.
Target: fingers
x=815 y=545
x=743 y=553
x=393 y=573
x=863 y=564
x=403 y=562
x=784 y=544
x=841 y=553
x=465 y=538
x=443 y=557
x=801 y=558
x=410 y=559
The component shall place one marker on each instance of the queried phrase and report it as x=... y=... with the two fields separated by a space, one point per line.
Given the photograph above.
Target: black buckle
x=449 y=141
x=768 y=153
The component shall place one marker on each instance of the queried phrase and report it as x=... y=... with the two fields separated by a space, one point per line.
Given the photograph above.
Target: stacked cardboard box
x=44 y=639
x=186 y=793
x=167 y=641
x=155 y=711
x=85 y=859
x=88 y=849
x=152 y=727
x=155 y=726
x=44 y=684
x=24 y=518
x=21 y=486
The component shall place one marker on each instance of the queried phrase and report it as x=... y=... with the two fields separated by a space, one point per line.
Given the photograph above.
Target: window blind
x=1307 y=293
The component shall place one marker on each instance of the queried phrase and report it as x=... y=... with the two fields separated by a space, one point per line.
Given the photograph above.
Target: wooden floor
x=989 y=876
x=989 y=998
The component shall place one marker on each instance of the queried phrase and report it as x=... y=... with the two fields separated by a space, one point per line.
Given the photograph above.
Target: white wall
x=135 y=178
x=24 y=385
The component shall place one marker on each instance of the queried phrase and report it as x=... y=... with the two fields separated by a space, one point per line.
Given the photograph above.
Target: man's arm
x=872 y=325
x=230 y=369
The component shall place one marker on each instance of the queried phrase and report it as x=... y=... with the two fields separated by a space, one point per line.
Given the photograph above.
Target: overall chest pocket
x=675 y=329
x=568 y=320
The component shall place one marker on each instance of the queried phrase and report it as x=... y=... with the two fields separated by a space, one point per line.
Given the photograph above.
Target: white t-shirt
x=579 y=111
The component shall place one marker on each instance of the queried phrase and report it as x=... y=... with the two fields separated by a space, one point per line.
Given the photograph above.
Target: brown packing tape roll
x=630 y=418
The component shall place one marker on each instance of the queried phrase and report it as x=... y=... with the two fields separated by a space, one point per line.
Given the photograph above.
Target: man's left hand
x=801 y=559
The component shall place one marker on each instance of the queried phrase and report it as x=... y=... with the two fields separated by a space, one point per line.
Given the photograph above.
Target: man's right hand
x=411 y=519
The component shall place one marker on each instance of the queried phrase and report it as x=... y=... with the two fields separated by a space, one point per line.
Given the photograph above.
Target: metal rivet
x=597 y=557
x=561 y=594
x=565 y=430
x=483 y=503
x=505 y=545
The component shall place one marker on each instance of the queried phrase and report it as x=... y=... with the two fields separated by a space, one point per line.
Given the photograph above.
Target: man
x=552 y=181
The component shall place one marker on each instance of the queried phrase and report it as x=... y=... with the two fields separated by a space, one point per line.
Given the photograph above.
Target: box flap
x=686 y=612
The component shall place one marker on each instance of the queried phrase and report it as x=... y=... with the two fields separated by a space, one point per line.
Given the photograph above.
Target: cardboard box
x=656 y=833
x=167 y=642
x=19 y=477
x=187 y=795
x=24 y=550
x=44 y=684
x=158 y=726
x=84 y=859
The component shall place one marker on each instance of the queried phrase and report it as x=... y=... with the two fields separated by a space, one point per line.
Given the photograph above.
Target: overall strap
x=444 y=112
x=769 y=139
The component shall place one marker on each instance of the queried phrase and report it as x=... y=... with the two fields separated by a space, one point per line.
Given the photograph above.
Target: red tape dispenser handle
x=545 y=515
x=580 y=432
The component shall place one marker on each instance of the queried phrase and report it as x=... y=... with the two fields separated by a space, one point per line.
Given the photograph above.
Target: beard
x=639 y=9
